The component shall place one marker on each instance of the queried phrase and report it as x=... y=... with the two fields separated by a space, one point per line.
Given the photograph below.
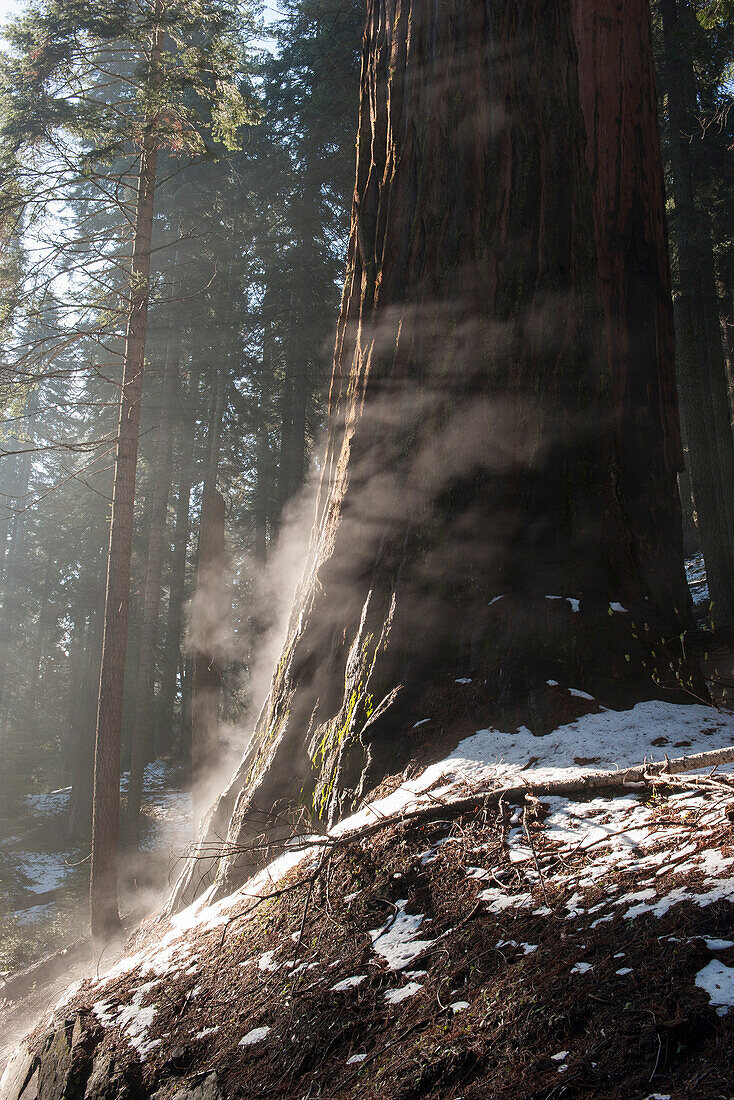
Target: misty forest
x=366 y=549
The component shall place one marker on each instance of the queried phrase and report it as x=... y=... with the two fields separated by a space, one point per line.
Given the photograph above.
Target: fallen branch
x=639 y=775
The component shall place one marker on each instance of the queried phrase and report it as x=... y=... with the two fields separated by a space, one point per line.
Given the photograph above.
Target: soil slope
x=448 y=941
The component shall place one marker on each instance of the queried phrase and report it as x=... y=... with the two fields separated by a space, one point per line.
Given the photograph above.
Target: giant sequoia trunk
x=475 y=515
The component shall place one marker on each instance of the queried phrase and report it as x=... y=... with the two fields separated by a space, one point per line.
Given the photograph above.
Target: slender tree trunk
x=214 y=432
x=142 y=739
x=704 y=397
x=295 y=474
x=472 y=472
x=75 y=714
x=38 y=649
x=185 y=677
x=20 y=488
x=79 y=824
x=262 y=473
x=290 y=359
x=726 y=311
x=207 y=614
x=177 y=591
x=105 y=918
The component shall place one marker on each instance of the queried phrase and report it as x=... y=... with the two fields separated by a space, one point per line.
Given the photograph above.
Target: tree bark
x=701 y=369
x=472 y=484
x=75 y=716
x=142 y=737
x=105 y=917
x=79 y=823
x=18 y=492
x=207 y=614
x=177 y=590
x=38 y=649
x=619 y=102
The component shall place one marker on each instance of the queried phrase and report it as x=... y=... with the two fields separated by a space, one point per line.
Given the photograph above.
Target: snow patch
x=255 y=1036
x=395 y=996
x=718 y=981
x=348 y=983
x=396 y=942
x=133 y=1019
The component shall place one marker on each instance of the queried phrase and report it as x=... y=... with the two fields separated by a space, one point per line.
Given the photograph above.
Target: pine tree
x=113 y=80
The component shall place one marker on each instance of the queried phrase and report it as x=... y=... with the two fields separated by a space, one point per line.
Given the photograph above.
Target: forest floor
x=574 y=946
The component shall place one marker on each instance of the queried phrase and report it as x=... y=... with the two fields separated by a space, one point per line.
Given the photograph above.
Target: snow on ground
x=133 y=1019
x=585 y=842
x=718 y=981
x=49 y=803
x=34 y=914
x=348 y=983
x=167 y=808
x=396 y=996
x=651 y=730
x=397 y=941
x=46 y=870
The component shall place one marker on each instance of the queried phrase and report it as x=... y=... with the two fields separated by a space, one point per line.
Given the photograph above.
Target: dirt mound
x=562 y=947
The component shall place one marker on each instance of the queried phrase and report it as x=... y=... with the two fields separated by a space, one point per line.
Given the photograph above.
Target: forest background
x=248 y=260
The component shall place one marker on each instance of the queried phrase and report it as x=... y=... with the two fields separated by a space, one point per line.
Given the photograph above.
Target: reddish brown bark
x=142 y=737
x=105 y=917
x=472 y=467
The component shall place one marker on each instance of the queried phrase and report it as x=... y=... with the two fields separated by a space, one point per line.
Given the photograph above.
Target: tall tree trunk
x=79 y=823
x=38 y=648
x=293 y=461
x=472 y=467
x=262 y=474
x=704 y=397
x=691 y=540
x=142 y=736
x=207 y=615
x=105 y=917
x=619 y=102
x=214 y=432
x=19 y=492
x=294 y=357
x=177 y=590
x=75 y=714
